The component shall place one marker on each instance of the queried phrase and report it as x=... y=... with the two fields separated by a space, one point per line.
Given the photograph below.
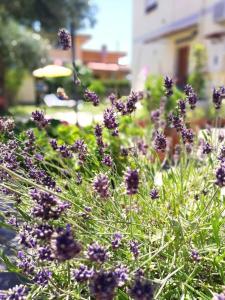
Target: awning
x=52 y=71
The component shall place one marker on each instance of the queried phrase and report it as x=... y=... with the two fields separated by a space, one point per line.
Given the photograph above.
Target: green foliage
x=20 y=50
x=154 y=85
x=50 y=14
x=98 y=87
x=14 y=78
x=198 y=78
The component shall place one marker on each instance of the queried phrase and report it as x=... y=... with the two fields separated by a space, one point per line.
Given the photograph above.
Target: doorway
x=182 y=65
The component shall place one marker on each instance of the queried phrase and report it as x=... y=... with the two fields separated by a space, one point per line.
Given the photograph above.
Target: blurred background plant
x=197 y=79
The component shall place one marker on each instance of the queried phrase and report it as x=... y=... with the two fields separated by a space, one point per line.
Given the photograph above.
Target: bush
x=155 y=87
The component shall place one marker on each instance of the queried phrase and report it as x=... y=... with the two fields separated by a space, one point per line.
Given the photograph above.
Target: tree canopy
x=50 y=14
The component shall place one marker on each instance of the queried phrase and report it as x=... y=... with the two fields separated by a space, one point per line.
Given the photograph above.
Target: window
x=150 y=5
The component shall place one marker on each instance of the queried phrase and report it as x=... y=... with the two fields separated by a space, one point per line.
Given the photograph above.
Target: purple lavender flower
x=107 y=160
x=177 y=122
x=43 y=231
x=220 y=296
x=142 y=289
x=48 y=206
x=131 y=181
x=182 y=107
x=160 y=142
x=154 y=194
x=78 y=178
x=29 y=144
x=103 y=285
x=221 y=156
x=64 y=245
x=116 y=241
x=42 y=277
x=217 y=100
x=192 y=100
x=188 y=89
x=18 y=292
x=112 y=98
x=82 y=274
x=109 y=117
x=121 y=273
x=101 y=185
x=120 y=106
x=142 y=147
x=65 y=151
x=168 y=83
x=134 y=248
x=45 y=253
x=54 y=144
x=98 y=130
x=131 y=103
x=124 y=151
x=155 y=115
x=25 y=263
x=187 y=135
x=39 y=119
x=220 y=175
x=80 y=148
x=64 y=39
x=97 y=253
x=206 y=148
x=195 y=255
x=92 y=97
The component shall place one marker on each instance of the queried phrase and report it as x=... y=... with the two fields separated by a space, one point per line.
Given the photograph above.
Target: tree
x=20 y=49
x=51 y=14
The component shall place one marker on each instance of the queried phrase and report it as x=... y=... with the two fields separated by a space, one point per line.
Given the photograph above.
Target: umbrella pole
x=73 y=56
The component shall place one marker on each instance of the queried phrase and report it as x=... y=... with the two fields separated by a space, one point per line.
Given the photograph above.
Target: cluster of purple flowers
x=187 y=135
x=131 y=181
x=206 y=148
x=195 y=255
x=64 y=245
x=177 y=122
x=80 y=148
x=182 y=107
x=116 y=241
x=6 y=125
x=192 y=97
x=101 y=185
x=64 y=38
x=39 y=118
x=154 y=194
x=142 y=289
x=103 y=285
x=218 y=96
x=97 y=253
x=107 y=160
x=134 y=248
x=160 y=142
x=168 y=83
x=42 y=277
x=19 y=292
x=82 y=274
x=142 y=147
x=220 y=175
x=109 y=119
x=47 y=205
x=91 y=97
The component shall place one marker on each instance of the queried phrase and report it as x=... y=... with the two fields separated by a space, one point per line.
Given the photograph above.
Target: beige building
x=165 y=32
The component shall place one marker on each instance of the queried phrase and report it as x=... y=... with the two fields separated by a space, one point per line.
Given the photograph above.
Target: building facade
x=165 y=33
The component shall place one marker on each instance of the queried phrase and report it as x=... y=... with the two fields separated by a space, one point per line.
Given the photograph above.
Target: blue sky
x=113 y=27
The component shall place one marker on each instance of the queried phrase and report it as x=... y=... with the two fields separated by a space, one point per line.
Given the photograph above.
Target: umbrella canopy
x=52 y=71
